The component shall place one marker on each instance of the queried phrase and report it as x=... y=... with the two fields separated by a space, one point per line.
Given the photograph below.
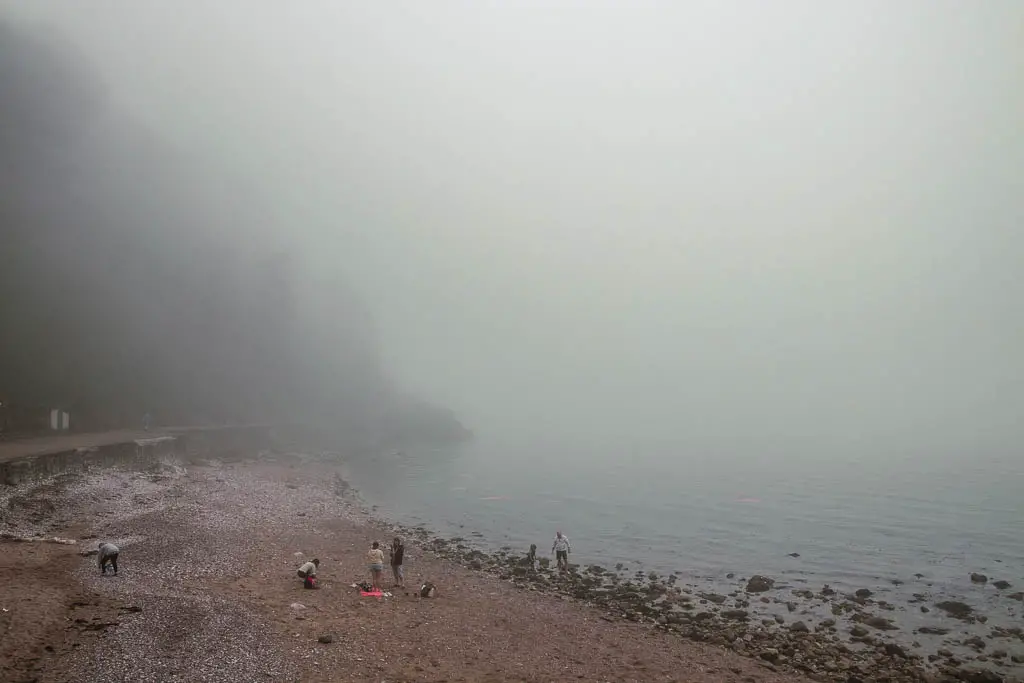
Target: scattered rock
x=1001 y=585
x=326 y=639
x=715 y=598
x=737 y=614
x=880 y=623
x=979 y=578
x=976 y=642
x=297 y=606
x=799 y=627
x=955 y=609
x=978 y=676
x=933 y=630
x=1019 y=597
x=858 y=631
x=894 y=650
x=759 y=584
x=794 y=554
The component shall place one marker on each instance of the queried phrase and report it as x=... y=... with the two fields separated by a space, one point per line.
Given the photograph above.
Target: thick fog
x=779 y=225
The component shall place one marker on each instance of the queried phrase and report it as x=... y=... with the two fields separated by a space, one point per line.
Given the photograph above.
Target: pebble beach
x=207 y=592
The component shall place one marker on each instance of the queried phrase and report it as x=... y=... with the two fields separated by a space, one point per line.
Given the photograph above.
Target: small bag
x=310 y=582
x=428 y=590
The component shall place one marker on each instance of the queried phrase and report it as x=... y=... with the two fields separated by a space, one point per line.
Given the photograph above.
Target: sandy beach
x=207 y=591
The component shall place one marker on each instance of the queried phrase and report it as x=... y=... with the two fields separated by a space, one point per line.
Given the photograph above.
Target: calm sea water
x=856 y=522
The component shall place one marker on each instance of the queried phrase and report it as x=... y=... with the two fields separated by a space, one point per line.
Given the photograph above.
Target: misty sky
x=787 y=220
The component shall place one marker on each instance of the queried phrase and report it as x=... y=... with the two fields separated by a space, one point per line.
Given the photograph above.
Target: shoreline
x=222 y=538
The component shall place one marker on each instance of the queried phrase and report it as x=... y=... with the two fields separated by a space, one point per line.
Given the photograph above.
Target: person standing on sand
x=397 y=557
x=561 y=549
x=376 y=558
x=108 y=555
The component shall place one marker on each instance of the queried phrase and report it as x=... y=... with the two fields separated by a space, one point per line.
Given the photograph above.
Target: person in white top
x=309 y=569
x=561 y=549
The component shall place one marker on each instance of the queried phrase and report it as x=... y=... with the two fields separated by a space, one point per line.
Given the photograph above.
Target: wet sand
x=207 y=591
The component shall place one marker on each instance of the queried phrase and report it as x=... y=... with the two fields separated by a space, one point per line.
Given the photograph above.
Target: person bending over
x=108 y=555
x=307 y=573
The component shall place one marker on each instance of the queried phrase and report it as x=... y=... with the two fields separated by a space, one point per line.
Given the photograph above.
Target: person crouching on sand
x=397 y=557
x=376 y=558
x=108 y=555
x=307 y=573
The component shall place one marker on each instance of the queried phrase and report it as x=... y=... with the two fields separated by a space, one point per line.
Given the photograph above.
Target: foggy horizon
x=780 y=227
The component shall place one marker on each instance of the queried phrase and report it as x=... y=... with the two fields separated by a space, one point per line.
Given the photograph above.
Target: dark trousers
x=112 y=561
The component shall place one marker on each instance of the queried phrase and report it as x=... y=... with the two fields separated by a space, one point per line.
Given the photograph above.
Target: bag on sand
x=310 y=582
x=428 y=590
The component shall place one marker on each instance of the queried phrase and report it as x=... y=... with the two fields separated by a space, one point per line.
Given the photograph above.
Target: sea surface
x=897 y=524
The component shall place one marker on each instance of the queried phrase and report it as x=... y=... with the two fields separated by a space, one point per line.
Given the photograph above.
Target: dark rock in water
x=791 y=606
x=1001 y=585
x=955 y=609
x=828 y=590
x=738 y=614
x=1019 y=597
x=858 y=631
x=759 y=584
x=894 y=650
x=976 y=642
x=924 y=610
x=714 y=597
x=979 y=578
x=326 y=639
x=799 y=627
x=978 y=676
x=863 y=593
x=880 y=623
x=794 y=554
x=933 y=630
x=730 y=575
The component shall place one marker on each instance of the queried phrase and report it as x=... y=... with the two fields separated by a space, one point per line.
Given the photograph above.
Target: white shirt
x=562 y=543
x=309 y=568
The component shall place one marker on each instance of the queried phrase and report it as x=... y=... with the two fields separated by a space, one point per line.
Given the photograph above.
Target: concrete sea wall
x=186 y=444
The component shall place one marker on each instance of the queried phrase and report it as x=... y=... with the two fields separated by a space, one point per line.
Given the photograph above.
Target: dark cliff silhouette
x=133 y=282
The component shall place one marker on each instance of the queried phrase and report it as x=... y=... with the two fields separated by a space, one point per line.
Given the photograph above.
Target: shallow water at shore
x=894 y=526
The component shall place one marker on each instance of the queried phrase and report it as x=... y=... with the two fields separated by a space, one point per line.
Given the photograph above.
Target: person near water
x=108 y=555
x=147 y=421
x=376 y=559
x=561 y=549
x=531 y=557
x=397 y=557
x=307 y=572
